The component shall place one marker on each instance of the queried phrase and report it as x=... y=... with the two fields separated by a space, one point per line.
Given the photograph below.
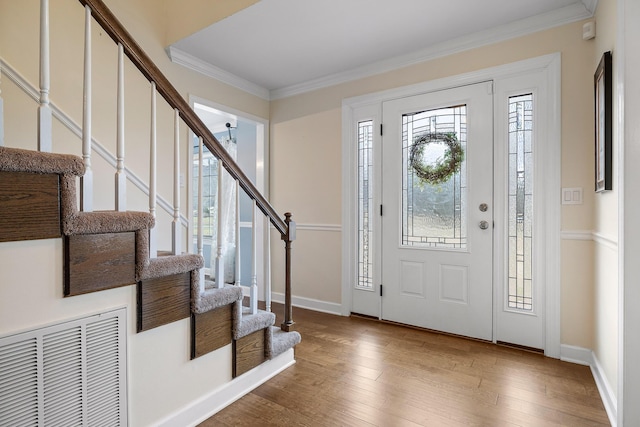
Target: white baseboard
x=203 y=408
x=310 y=303
x=584 y=356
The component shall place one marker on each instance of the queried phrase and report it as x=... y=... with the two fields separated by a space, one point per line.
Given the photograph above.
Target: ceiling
x=276 y=48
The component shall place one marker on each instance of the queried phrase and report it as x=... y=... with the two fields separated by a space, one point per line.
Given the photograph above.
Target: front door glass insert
x=434 y=178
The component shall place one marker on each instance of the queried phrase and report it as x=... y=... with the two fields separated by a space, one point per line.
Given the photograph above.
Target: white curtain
x=228 y=218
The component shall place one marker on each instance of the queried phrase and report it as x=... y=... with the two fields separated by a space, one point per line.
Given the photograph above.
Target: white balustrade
x=86 y=187
x=200 y=231
x=176 y=227
x=237 y=274
x=253 y=292
x=219 y=261
x=121 y=174
x=45 y=141
x=153 y=234
x=267 y=260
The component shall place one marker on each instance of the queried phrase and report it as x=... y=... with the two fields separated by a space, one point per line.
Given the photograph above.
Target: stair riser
x=211 y=330
x=29 y=206
x=248 y=352
x=96 y=262
x=163 y=300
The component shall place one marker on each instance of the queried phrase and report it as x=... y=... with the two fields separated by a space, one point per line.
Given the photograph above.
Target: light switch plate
x=572 y=196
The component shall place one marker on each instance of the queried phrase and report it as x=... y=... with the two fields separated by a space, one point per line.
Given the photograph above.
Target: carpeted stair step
x=245 y=323
x=212 y=317
x=31 y=186
x=279 y=341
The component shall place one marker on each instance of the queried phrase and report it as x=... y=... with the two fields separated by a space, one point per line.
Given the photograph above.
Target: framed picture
x=603 y=117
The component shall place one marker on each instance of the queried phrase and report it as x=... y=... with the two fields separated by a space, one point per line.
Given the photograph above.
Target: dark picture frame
x=602 y=84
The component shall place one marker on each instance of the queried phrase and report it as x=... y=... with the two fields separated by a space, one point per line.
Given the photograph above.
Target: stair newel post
x=86 y=184
x=219 y=262
x=44 y=109
x=200 y=230
x=176 y=229
x=288 y=323
x=121 y=175
x=253 y=294
x=237 y=239
x=153 y=239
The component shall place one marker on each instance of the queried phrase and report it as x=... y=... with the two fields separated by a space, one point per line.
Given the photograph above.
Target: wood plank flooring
x=360 y=372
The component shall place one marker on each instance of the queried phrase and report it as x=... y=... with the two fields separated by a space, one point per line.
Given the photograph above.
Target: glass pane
x=365 y=205
x=520 y=294
x=434 y=175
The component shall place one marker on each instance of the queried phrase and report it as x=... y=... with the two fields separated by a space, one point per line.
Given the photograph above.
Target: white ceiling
x=279 y=47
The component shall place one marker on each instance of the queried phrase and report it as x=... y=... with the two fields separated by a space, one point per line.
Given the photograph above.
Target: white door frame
x=262 y=184
x=549 y=65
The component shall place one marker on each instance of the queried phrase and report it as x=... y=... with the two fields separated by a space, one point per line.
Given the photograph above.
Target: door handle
x=483 y=225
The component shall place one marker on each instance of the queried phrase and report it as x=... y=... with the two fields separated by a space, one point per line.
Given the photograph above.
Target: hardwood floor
x=360 y=372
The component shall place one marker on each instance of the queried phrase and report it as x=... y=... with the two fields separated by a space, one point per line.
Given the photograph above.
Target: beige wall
x=162 y=379
x=306 y=136
x=606 y=221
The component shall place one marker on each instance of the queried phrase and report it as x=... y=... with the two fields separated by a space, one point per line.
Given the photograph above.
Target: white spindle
x=44 y=110
x=153 y=238
x=200 y=209
x=237 y=278
x=253 y=296
x=176 y=228
x=86 y=187
x=267 y=260
x=121 y=174
x=219 y=264
x=1 y=112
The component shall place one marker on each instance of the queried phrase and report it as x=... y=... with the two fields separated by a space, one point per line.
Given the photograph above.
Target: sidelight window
x=520 y=295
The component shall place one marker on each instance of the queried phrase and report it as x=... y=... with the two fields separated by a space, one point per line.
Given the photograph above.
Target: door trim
x=550 y=66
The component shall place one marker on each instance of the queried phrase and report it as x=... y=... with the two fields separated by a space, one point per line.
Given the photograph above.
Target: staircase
x=45 y=195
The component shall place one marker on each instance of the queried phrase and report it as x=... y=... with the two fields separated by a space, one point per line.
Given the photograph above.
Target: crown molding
x=181 y=57
x=590 y=5
x=565 y=15
x=562 y=16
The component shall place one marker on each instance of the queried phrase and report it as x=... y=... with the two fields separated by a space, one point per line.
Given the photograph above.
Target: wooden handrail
x=147 y=67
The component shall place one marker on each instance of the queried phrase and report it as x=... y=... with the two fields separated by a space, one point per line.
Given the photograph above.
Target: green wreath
x=444 y=168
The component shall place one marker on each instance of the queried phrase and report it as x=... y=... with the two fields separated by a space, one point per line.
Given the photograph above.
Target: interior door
x=437 y=221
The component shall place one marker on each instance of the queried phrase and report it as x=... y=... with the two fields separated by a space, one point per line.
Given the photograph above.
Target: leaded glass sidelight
x=520 y=295
x=365 y=205
x=434 y=209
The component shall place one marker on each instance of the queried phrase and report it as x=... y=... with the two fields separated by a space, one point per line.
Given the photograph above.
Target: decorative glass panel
x=365 y=204
x=434 y=178
x=520 y=294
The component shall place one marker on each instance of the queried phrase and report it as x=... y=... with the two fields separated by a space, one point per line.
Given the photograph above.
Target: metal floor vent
x=69 y=374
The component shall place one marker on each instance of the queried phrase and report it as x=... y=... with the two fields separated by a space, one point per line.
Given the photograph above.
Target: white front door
x=437 y=210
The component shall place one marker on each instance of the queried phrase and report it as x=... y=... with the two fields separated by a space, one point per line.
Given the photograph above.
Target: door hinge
x=380 y=129
x=380 y=210
x=380 y=289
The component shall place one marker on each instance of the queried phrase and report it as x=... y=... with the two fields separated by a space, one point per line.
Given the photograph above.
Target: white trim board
x=309 y=304
x=595 y=236
x=584 y=356
x=209 y=404
x=566 y=15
